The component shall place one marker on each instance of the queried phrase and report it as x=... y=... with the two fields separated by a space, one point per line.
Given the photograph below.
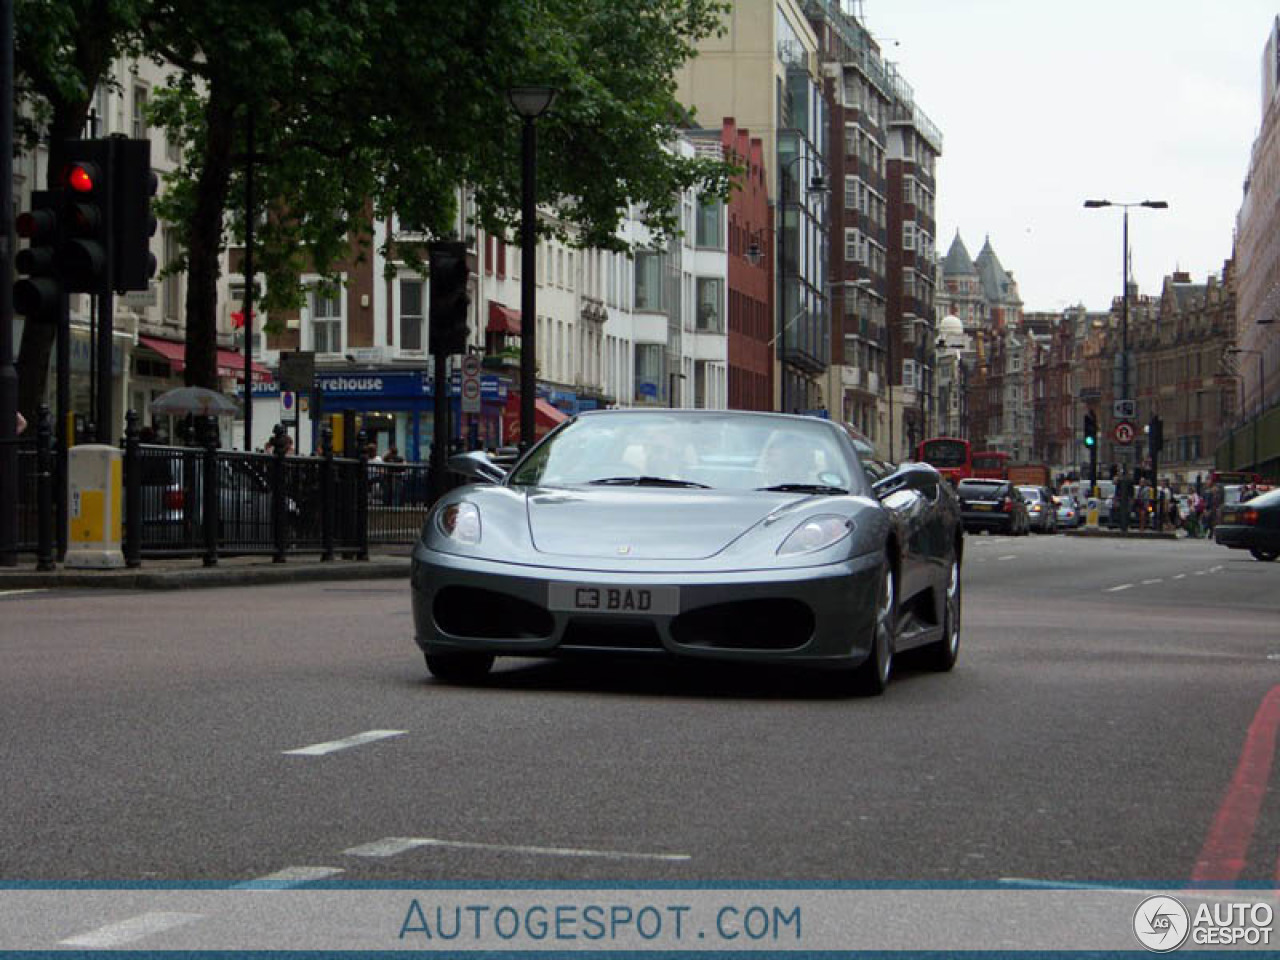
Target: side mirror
x=477 y=466
x=910 y=476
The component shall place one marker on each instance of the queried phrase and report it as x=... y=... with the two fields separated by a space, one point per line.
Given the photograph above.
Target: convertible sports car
x=698 y=533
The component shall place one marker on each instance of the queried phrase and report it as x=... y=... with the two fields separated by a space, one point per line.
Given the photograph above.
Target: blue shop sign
x=383 y=385
x=647 y=388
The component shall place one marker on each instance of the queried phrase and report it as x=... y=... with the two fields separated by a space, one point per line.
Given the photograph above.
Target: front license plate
x=601 y=598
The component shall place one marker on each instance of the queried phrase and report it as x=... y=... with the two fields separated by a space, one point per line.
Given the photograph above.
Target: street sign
x=297 y=370
x=1123 y=432
x=1124 y=409
x=470 y=388
x=288 y=407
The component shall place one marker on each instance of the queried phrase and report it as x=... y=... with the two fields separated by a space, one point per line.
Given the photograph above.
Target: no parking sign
x=288 y=406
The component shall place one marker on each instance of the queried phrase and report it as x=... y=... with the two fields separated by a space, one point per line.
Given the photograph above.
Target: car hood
x=645 y=523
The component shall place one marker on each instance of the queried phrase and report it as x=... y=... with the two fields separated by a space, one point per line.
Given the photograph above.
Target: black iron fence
x=203 y=501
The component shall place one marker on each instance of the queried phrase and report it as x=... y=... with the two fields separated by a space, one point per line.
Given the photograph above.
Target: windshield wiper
x=648 y=482
x=803 y=488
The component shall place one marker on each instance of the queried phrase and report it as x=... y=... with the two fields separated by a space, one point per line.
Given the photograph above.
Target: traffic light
x=1155 y=435
x=1090 y=429
x=36 y=296
x=134 y=183
x=449 y=299
x=84 y=253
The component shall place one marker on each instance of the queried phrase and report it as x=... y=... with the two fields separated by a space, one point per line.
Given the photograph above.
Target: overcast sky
x=1042 y=105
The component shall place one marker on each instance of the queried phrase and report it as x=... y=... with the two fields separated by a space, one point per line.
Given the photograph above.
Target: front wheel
x=941 y=654
x=1266 y=556
x=871 y=677
x=464 y=667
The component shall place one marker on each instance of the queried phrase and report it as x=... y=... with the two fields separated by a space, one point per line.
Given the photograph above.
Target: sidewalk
x=189 y=572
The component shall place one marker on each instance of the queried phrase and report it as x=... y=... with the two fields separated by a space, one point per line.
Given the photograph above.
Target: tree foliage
x=364 y=108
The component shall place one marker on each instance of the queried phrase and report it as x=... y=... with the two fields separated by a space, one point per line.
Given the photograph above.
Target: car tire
x=941 y=655
x=466 y=667
x=872 y=676
x=1266 y=556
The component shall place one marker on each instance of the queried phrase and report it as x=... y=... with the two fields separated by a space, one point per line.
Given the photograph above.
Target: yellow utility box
x=95 y=500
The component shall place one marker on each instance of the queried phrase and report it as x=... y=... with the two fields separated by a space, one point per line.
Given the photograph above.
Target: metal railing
x=202 y=501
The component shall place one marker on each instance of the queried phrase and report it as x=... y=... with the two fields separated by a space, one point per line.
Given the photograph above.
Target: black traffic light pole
x=8 y=372
x=106 y=307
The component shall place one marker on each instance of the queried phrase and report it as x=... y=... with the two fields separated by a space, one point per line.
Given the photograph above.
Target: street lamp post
x=530 y=103
x=817 y=184
x=1262 y=395
x=1124 y=308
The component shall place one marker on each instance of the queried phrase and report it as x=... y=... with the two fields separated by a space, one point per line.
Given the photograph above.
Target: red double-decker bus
x=950 y=456
x=991 y=465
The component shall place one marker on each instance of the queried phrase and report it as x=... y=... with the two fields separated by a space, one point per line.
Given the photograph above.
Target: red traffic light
x=81 y=176
x=37 y=224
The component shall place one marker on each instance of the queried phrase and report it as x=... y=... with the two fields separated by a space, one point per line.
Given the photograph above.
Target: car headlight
x=461 y=522
x=816 y=533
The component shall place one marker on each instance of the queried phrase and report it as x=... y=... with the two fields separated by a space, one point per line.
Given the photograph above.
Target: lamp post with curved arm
x=1124 y=309
x=530 y=103
x=817 y=185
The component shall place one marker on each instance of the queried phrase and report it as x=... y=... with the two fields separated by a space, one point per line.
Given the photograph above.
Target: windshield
x=715 y=450
x=945 y=453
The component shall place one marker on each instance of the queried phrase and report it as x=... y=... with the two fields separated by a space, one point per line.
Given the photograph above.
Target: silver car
x=712 y=534
x=1042 y=512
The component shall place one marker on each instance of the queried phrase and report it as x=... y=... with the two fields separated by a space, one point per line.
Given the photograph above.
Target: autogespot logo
x=1161 y=923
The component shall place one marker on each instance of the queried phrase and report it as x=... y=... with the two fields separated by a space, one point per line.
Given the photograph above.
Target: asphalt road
x=1111 y=720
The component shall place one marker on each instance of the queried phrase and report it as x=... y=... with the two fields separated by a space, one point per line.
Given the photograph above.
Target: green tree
x=365 y=108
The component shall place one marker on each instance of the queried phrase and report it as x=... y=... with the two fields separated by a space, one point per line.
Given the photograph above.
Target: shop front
x=398 y=407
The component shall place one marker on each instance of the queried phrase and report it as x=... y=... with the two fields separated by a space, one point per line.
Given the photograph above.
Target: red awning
x=230 y=362
x=545 y=416
x=503 y=320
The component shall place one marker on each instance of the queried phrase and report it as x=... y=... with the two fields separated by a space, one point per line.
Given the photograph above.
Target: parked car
x=172 y=511
x=1068 y=512
x=1253 y=525
x=1042 y=512
x=994 y=505
x=718 y=535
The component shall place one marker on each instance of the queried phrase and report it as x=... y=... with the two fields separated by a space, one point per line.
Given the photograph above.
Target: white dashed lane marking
x=129 y=931
x=390 y=846
x=1123 y=586
x=333 y=746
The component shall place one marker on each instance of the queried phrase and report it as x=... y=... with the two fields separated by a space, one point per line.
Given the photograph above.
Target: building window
x=710 y=230
x=411 y=316
x=908 y=235
x=710 y=305
x=139 y=113
x=326 y=321
x=173 y=281
x=851 y=193
x=649 y=280
x=909 y=374
x=649 y=367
